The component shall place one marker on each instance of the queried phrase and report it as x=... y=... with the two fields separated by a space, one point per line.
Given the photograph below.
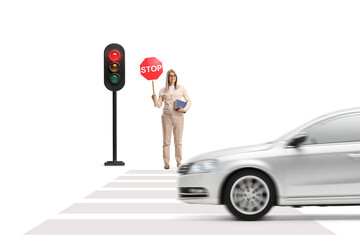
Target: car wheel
x=249 y=195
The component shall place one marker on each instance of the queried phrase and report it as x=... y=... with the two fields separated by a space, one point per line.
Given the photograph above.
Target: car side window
x=339 y=130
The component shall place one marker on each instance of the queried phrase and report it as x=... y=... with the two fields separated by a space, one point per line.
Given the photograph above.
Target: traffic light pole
x=114 y=127
x=114 y=162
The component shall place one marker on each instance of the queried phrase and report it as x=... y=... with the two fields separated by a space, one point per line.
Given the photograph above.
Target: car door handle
x=354 y=156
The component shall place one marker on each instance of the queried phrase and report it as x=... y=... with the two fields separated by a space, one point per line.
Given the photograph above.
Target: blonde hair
x=168 y=77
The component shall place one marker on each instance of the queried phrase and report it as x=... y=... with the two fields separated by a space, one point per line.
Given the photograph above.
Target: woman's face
x=172 y=78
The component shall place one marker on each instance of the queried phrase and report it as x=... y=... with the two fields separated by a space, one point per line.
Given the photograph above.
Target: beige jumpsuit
x=172 y=121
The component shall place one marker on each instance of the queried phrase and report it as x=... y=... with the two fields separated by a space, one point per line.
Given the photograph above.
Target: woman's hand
x=154 y=98
x=181 y=110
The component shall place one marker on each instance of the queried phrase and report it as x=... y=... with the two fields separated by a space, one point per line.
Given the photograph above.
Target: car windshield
x=292 y=132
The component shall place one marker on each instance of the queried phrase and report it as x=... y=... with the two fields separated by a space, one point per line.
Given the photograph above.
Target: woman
x=172 y=120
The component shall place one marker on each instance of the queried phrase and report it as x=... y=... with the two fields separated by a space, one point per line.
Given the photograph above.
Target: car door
x=327 y=165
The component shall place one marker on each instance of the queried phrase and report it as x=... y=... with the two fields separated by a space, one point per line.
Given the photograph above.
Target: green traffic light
x=114 y=78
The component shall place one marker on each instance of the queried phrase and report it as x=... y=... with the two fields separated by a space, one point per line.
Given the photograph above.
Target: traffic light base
x=114 y=163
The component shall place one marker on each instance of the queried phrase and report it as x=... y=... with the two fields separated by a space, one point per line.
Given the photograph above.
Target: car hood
x=231 y=151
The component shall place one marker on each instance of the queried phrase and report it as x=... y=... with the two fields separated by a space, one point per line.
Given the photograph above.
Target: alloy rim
x=249 y=195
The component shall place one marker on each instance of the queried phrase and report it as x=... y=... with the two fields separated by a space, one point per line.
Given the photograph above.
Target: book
x=178 y=104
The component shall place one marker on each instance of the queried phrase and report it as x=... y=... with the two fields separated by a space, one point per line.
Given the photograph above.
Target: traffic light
x=114 y=67
x=114 y=80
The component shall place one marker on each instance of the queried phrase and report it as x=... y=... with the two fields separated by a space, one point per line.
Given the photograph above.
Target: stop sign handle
x=153 y=91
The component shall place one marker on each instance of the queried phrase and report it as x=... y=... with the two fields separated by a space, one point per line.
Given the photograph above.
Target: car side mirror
x=298 y=139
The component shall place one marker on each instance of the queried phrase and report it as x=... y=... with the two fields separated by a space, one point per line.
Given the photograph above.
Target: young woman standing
x=172 y=120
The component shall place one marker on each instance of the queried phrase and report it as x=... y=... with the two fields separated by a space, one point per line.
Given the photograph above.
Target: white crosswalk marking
x=144 y=203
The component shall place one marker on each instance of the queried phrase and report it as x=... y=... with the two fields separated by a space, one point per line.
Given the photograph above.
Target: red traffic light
x=114 y=55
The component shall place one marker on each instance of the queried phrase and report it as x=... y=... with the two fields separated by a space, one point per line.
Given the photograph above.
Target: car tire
x=249 y=195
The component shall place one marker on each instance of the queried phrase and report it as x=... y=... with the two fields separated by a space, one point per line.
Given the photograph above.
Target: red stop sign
x=151 y=68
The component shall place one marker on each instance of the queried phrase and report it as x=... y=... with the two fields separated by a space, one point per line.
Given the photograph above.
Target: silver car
x=317 y=164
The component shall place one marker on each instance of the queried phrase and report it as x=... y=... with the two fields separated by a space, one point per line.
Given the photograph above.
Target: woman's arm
x=187 y=100
x=159 y=101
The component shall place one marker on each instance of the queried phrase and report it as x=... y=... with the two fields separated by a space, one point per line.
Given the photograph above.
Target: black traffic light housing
x=114 y=67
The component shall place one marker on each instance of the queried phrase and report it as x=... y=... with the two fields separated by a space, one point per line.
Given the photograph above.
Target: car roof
x=343 y=111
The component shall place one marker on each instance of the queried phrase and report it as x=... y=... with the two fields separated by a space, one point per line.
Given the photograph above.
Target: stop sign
x=151 y=68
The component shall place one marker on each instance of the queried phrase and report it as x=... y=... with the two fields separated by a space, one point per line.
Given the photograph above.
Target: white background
x=253 y=69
